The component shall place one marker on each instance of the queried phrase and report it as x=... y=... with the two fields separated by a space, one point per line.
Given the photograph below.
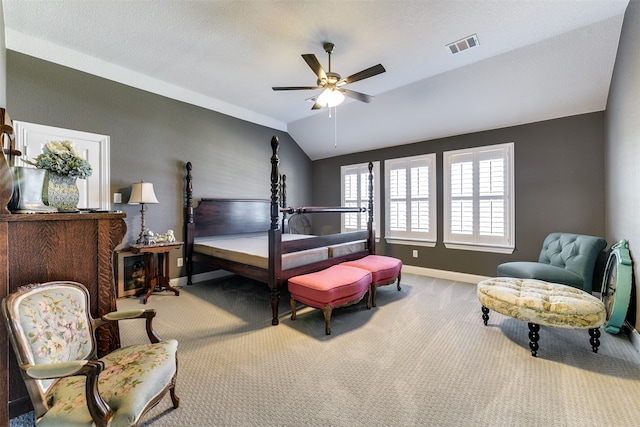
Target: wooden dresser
x=58 y=246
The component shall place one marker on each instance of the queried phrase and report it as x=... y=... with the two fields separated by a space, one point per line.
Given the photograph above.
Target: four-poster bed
x=243 y=236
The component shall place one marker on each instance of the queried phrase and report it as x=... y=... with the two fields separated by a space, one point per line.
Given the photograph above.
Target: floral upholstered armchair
x=52 y=334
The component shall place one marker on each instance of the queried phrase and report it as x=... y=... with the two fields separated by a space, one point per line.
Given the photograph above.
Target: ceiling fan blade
x=316 y=106
x=357 y=95
x=364 y=74
x=296 y=87
x=314 y=64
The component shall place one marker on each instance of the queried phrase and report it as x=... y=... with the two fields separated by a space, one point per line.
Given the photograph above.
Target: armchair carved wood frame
x=53 y=336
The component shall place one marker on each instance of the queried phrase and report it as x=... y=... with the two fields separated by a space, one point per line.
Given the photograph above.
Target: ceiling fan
x=332 y=84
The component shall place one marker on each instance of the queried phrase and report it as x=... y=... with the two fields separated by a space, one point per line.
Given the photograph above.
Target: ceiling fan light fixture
x=330 y=97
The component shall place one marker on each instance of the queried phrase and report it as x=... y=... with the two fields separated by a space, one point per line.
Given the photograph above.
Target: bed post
x=189 y=224
x=372 y=241
x=283 y=201
x=275 y=234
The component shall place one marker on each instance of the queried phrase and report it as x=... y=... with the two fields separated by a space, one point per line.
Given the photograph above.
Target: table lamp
x=142 y=193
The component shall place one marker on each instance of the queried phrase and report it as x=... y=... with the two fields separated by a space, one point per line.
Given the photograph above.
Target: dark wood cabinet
x=37 y=248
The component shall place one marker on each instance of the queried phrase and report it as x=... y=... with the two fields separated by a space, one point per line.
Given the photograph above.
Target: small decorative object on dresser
x=63 y=192
x=65 y=165
x=28 y=191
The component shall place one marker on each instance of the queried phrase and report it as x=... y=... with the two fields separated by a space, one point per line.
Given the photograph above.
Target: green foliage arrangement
x=61 y=157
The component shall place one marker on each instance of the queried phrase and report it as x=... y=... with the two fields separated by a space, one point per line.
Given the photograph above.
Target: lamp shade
x=330 y=97
x=142 y=192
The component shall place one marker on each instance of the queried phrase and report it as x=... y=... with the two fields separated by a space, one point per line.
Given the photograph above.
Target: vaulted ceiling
x=536 y=60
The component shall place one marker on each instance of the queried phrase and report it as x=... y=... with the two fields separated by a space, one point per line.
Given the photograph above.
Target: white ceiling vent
x=463 y=44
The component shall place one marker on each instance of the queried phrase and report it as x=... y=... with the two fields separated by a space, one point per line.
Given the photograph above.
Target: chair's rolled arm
x=125 y=314
x=55 y=370
x=140 y=313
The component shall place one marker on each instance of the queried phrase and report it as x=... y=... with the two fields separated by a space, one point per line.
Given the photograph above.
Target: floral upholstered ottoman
x=542 y=303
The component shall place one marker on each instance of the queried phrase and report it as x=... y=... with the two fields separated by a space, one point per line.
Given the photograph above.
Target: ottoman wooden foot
x=327 y=319
x=485 y=315
x=595 y=339
x=534 y=337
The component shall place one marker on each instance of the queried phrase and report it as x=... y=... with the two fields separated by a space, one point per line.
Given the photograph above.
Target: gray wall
x=559 y=180
x=152 y=137
x=622 y=136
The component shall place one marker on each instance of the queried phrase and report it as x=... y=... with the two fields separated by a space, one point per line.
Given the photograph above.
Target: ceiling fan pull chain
x=335 y=127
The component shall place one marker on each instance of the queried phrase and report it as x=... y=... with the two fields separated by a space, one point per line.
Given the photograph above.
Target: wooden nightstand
x=154 y=258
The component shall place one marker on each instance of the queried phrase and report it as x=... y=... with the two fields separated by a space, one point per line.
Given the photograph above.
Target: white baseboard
x=444 y=274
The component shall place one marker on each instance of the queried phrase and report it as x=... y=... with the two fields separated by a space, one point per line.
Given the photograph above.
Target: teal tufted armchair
x=565 y=258
x=52 y=334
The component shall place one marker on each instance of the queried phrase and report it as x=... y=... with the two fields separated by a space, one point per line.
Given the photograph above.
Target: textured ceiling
x=536 y=60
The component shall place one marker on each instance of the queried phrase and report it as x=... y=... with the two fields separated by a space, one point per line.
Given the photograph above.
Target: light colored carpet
x=423 y=357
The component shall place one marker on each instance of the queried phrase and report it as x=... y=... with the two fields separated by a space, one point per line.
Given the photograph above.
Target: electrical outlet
x=117 y=197
x=179 y=262
x=415 y=253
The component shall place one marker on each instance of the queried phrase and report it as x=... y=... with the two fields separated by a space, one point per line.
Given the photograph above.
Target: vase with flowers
x=64 y=166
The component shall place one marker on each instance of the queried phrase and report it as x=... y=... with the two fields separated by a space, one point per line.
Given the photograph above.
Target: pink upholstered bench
x=336 y=286
x=384 y=270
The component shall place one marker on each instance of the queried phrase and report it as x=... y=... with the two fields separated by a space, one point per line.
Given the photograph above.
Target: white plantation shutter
x=478 y=200
x=411 y=204
x=462 y=195
x=355 y=193
x=491 y=194
x=351 y=199
x=420 y=198
x=398 y=199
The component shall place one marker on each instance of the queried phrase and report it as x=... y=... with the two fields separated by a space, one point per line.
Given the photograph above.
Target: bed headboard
x=215 y=217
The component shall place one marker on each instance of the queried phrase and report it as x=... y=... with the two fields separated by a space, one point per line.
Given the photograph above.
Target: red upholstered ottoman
x=384 y=270
x=336 y=286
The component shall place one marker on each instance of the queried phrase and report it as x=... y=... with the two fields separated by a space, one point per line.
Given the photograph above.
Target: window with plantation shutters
x=411 y=200
x=355 y=193
x=478 y=198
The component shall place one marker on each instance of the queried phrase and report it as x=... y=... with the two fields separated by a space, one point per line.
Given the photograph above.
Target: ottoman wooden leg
x=595 y=339
x=327 y=319
x=374 y=292
x=399 y=276
x=534 y=336
x=485 y=315
x=293 y=308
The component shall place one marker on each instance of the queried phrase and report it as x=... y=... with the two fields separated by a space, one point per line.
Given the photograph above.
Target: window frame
x=475 y=241
x=410 y=237
x=362 y=168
